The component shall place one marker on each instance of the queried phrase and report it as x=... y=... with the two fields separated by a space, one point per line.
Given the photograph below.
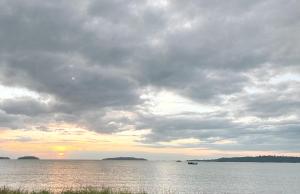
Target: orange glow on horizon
x=58 y=145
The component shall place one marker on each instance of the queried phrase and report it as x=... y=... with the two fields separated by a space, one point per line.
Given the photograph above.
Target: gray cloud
x=91 y=58
x=23 y=106
x=10 y=121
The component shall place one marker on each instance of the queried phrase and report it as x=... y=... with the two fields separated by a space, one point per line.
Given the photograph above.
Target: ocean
x=154 y=177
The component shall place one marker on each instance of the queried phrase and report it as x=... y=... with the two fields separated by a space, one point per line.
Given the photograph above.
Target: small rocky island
x=275 y=159
x=28 y=158
x=4 y=158
x=125 y=158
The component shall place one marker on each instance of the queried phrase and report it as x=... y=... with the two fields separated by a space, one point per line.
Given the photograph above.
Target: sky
x=160 y=79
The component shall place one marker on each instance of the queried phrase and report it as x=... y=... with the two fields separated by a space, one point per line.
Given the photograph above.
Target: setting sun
x=61 y=154
x=59 y=148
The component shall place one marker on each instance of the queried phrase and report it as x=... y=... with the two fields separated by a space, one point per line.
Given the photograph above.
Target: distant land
x=28 y=158
x=275 y=159
x=4 y=158
x=124 y=158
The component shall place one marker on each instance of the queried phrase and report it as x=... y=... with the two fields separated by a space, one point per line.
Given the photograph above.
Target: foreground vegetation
x=5 y=190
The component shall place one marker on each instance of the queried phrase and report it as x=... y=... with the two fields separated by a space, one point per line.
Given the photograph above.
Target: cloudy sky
x=162 y=79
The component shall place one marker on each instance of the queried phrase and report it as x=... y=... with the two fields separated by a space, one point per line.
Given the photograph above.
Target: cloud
x=90 y=62
x=23 y=106
x=10 y=121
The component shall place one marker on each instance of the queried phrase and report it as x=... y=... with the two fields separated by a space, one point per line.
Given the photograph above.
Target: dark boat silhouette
x=192 y=163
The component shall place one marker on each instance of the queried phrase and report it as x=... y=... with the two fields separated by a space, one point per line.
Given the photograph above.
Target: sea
x=153 y=177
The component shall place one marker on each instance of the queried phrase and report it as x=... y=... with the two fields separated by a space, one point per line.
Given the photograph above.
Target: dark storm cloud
x=87 y=59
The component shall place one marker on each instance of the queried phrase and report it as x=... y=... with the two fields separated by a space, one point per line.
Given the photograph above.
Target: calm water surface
x=153 y=177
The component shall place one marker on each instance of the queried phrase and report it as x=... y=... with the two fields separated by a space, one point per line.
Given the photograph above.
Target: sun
x=61 y=154
x=60 y=149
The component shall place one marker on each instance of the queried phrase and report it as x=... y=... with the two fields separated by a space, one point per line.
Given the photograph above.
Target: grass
x=6 y=190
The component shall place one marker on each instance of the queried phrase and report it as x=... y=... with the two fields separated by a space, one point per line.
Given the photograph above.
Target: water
x=153 y=176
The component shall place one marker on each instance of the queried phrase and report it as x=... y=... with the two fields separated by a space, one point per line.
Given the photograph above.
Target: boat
x=178 y=161
x=192 y=162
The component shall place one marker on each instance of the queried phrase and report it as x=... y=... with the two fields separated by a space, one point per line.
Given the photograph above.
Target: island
x=275 y=159
x=28 y=158
x=125 y=158
x=4 y=158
